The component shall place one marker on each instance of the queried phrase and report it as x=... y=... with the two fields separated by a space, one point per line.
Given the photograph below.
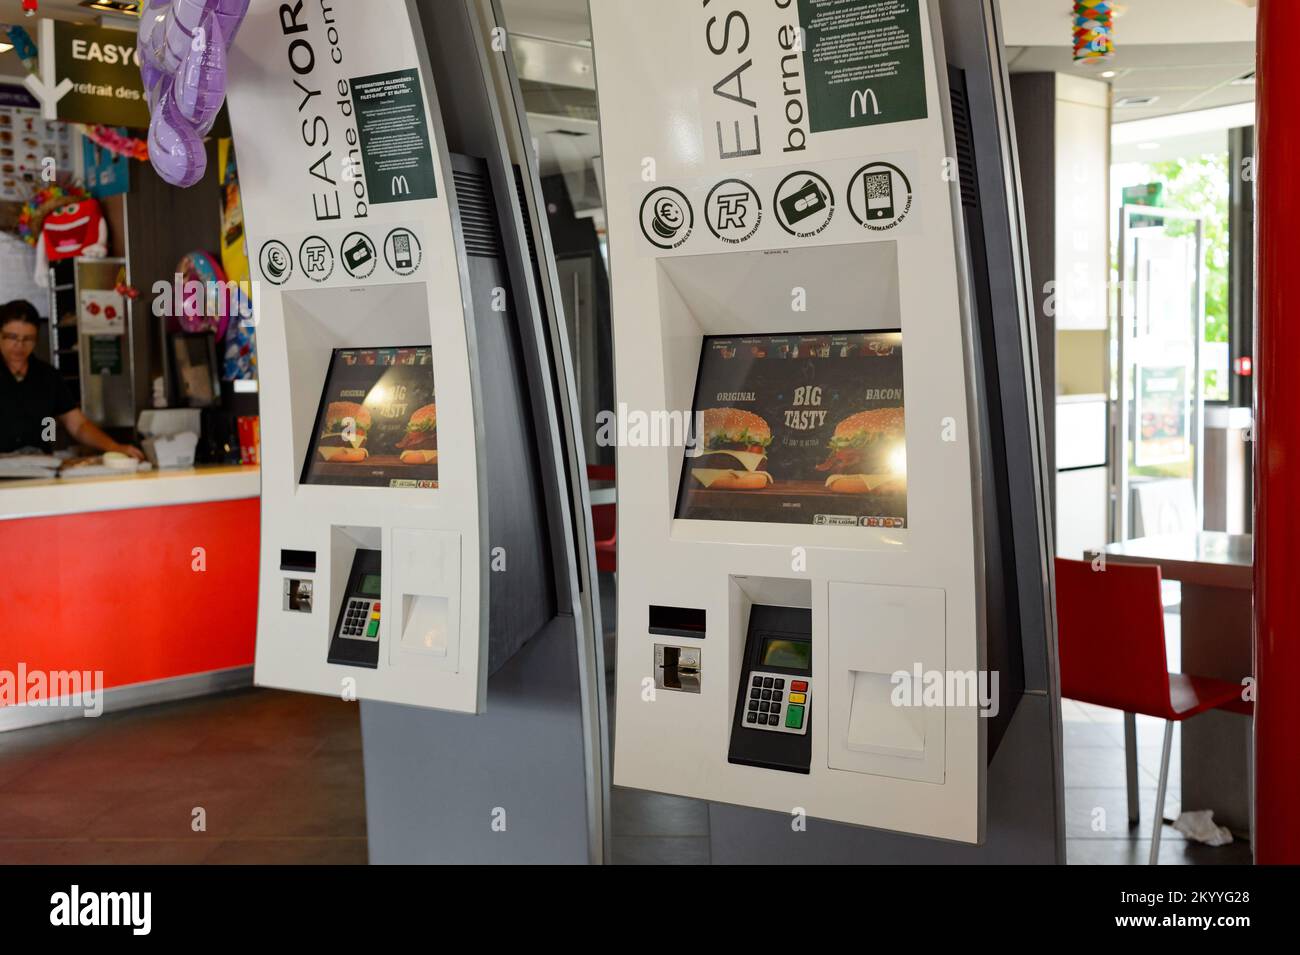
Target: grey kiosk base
x=526 y=780
x=510 y=784
x=1025 y=812
x=504 y=786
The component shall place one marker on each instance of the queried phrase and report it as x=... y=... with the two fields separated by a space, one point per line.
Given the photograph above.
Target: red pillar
x=1277 y=434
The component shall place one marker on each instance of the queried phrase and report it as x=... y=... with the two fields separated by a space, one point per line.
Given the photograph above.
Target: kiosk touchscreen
x=820 y=610
x=377 y=422
x=817 y=436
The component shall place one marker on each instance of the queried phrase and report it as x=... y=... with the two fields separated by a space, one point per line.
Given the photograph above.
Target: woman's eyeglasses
x=18 y=339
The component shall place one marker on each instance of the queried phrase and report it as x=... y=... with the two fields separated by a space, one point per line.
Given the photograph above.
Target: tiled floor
x=278 y=777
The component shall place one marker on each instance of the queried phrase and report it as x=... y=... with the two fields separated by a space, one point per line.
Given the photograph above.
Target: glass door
x=1157 y=464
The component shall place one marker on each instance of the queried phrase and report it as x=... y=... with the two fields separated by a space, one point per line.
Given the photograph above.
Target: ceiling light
x=1129 y=102
x=1108 y=74
x=123 y=7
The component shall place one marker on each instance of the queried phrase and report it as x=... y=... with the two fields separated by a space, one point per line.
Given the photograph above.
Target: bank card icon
x=804 y=204
x=808 y=200
x=359 y=255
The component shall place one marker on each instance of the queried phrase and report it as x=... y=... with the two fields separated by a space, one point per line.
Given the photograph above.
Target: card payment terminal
x=773 y=700
x=356 y=631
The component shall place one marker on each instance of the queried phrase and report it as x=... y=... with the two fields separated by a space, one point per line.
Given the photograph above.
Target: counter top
x=157 y=488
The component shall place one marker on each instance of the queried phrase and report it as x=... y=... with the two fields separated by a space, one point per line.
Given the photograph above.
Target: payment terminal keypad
x=361 y=619
x=777 y=702
x=356 y=628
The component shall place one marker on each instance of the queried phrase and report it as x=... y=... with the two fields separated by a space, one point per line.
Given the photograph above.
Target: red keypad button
x=798 y=686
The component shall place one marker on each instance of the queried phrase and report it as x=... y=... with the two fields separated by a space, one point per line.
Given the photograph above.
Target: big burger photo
x=734 y=451
x=420 y=443
x=867 y=454
x=346 y=424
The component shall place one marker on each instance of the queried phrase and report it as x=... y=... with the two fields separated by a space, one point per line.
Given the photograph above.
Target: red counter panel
x=143 y=594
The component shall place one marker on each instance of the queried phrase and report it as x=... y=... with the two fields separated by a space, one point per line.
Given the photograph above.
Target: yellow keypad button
x=798 y=698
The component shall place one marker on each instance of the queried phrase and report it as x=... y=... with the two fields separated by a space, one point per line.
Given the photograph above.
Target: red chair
x=604 y=523
x=1111 y=635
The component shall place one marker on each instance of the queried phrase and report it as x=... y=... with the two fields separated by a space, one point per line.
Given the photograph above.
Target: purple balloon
x=183 y=46
x=176 y=42
x=154 y=96
x=190 y=13
x=152 y=77
x=201 y=84
x=175 y=147
x=149 y=35
x=230 y=14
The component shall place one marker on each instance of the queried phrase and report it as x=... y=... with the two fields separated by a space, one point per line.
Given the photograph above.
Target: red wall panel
x=118 y=591
x=1277 y=435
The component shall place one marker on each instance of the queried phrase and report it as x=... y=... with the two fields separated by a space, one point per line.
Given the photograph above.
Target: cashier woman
x=33 y=395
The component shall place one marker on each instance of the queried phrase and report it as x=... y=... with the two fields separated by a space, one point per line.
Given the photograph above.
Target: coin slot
x=677 y=668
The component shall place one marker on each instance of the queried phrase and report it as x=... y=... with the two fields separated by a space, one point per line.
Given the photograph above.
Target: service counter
x=149 y=579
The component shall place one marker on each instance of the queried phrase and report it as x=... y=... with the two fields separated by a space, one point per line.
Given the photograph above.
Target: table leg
x=1131 y=768
x=1216 y=746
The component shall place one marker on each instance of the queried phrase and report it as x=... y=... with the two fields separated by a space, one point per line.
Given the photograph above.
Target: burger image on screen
x=420 y=443
x=346 y=424
x=867 y=454
x=734 y=451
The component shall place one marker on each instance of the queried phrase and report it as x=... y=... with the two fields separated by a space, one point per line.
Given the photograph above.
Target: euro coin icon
x=668 y=218
x=276 y=263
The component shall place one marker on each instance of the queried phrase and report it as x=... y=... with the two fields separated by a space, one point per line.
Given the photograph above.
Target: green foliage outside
x=1200 y=186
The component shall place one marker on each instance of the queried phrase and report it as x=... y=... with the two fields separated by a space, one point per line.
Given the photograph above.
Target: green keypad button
x=373 y=629
x=793 y=716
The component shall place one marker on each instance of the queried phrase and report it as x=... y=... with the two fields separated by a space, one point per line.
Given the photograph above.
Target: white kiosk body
x=422 y=525
x=802 y=592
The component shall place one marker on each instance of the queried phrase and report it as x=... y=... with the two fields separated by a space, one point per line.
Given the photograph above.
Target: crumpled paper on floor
x=1198 y=825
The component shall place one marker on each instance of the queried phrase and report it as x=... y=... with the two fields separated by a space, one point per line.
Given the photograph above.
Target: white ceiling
x=1182 y=77
x=1170 y=147
x=1049 y=22
x=564 y=20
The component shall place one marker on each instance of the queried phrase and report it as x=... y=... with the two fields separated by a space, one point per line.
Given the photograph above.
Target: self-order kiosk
x=424 y=541
x=834 y=595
